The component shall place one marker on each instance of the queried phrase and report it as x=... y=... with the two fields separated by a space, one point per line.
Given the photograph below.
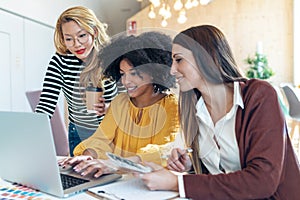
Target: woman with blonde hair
x=78 y=37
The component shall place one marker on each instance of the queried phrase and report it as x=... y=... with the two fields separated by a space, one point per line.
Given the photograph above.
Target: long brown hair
x=215 y=61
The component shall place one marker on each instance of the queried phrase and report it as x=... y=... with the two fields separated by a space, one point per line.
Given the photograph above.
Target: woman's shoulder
x=68 y=59
x=65 y=56
x=120 y=98
x=257 y=89
x=120 y=104
x=256 y=85
x=171 y=99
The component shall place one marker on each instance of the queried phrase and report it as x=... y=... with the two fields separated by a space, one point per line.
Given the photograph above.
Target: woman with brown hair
x=235 y=126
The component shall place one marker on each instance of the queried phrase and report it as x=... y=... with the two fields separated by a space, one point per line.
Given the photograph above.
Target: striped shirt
x=63 y=74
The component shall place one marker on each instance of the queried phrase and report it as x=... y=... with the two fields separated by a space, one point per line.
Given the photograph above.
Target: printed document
x=130 y=187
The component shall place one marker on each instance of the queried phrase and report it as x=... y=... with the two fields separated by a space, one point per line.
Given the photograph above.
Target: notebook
x=28 y=156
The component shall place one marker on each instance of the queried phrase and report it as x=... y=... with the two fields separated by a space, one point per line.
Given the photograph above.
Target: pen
x=105 y=195
x=189 y=150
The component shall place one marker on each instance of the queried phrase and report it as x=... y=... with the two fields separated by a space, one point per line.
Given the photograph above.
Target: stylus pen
x=187 y=150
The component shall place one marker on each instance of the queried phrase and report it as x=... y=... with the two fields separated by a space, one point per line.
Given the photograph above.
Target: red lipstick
x=81 y=51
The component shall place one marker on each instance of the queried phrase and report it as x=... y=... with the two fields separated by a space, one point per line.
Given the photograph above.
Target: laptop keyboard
x=71 y=181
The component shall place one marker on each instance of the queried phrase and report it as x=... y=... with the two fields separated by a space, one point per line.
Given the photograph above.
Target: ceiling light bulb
x=168 y=13
x=188 y=4
x=178 y=5
x=162 y=10
x=195 y=3
x=155 y=3
x=164 y=23
x=151 y=13
x=182 y=18
x=205 y=2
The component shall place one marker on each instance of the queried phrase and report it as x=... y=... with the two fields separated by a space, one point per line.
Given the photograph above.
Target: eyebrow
x=78 y=32
x=176 y=54
x=128 y=70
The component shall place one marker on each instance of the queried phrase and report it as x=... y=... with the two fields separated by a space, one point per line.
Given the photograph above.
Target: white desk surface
x=10 y=194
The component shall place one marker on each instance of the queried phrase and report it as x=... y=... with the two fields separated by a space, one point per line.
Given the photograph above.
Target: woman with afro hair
x=146 y=114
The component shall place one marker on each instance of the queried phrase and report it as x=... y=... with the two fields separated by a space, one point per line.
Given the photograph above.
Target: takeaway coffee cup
x=92 y=97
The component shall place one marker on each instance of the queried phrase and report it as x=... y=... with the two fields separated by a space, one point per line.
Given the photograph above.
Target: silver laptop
x=28 y=156
x=59 y=130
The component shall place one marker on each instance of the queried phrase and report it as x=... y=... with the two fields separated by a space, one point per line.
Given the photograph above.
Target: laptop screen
x=28 y=156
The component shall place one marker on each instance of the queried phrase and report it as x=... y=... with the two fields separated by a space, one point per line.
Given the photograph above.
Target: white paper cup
x=92 y=97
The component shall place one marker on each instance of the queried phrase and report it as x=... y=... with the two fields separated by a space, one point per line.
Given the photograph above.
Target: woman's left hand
x=159 y=179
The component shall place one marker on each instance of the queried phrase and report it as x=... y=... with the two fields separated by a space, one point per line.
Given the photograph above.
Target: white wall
x=11 y=62
x=113 y=12
x=26 y=48
x=45 y=11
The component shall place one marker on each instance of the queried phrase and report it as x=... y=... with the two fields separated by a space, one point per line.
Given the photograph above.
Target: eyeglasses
x=82 y=39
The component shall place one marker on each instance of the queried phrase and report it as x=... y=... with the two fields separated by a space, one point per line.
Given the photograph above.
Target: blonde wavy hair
x=87 y=20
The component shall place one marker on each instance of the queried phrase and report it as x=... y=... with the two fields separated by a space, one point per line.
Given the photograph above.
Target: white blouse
x=218 y=148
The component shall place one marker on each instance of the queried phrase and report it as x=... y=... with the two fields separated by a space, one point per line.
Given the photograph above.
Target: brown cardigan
x=270 y=168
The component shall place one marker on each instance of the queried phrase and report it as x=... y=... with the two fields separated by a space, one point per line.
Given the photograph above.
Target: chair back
x=59 y=130
x=282 y=101
x=293 y=101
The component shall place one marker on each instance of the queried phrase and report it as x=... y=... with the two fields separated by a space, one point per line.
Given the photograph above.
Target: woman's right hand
x=95 y=167
x=86 y=165
x=73 y=161
x=101 y=107
x=179 y=160
x=159 y=179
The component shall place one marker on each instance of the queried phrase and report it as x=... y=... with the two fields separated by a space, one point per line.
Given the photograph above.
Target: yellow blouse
x=126 y=129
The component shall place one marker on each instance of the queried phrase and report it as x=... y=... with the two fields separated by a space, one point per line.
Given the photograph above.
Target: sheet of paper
x=130 y=187
x=125 y=164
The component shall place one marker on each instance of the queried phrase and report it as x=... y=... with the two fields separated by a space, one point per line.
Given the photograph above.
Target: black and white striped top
x=63 y=73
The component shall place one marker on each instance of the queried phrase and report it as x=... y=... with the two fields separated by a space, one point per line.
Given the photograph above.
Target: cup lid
x=94 y=89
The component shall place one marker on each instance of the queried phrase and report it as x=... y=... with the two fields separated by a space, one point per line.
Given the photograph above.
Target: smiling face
x=78 y=41
x=185 y=69
x=136 y=82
